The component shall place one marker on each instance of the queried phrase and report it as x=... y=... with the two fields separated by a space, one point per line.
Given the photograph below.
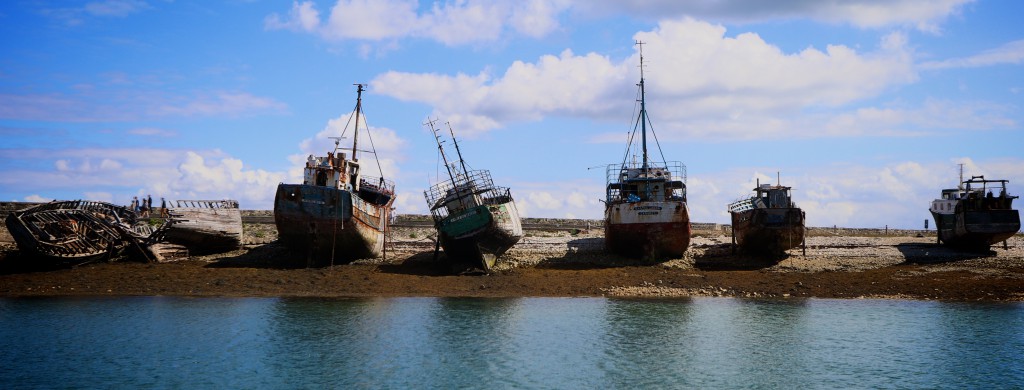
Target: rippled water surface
x=507 y=343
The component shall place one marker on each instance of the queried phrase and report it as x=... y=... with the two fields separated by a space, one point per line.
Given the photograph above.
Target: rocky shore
x=555 y=263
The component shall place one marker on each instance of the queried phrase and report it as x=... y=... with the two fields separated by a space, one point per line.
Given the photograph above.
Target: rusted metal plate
x=768 y=231
x=653 y=230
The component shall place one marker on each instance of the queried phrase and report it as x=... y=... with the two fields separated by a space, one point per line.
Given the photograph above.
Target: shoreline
x=554 y=264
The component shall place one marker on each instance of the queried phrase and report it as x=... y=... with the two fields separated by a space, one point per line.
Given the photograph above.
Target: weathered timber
x=79 y=231
x=206 y=226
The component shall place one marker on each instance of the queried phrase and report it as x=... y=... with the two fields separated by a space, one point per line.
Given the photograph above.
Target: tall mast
x=643 y=106
x=457 y=151
x=444 y=157
x=359 y=107
x=960 y=184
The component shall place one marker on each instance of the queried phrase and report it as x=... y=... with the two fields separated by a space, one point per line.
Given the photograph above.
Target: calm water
x=507 y=343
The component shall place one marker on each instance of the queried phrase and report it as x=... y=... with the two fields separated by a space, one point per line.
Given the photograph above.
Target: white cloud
x=152 y=131
x=117 y=8
x=925 y=15
x=896 y=194
x=384 y=141
x=931 y=116
x=116 y=104
x=100 y=196
x=36 y=198
x=221 y=104
x=458 y=22
x=117 y=174
x=563 y=199
x=226 y=178
x=543 y=200
x=744 y=85
x=449 y=22
x=1009 y=53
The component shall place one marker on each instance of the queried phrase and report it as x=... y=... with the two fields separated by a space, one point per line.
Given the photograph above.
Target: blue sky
x=866 y=108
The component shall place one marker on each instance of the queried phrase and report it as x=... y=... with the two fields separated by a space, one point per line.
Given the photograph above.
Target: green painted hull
x=480 y=234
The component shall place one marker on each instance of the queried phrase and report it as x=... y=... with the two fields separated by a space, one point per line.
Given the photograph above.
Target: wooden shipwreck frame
x=81 y=231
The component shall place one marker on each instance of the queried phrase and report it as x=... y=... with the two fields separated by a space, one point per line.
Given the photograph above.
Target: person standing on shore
x=163 y=208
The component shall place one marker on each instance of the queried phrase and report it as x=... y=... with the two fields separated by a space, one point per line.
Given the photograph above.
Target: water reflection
x=507 y=343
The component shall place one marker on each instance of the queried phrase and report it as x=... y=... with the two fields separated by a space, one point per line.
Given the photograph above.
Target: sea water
x=175 y=342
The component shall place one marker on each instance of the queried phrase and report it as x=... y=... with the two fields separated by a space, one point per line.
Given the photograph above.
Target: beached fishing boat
x=971 y=216
x=206 y=226
x=79 y=231
x=769 y=222
x=336 y=215
x=645 y=202
x=476 y=221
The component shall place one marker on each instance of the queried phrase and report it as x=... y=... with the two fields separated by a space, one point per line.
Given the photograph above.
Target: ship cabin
x=462 y=198
x=947 y=203
x=338 y=172
x=766 y=196
x=774 y=197
x=975 y=194
x=645 y=184
x=465 y=192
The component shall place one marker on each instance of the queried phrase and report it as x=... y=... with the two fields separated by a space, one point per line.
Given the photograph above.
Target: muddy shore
x=553 y=264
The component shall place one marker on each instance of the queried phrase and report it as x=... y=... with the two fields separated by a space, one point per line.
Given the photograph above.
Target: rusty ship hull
x=482 y=234
x=978 y=229
x=329 y=226
x=650 y=230
x=973 y=217
x=768 y=231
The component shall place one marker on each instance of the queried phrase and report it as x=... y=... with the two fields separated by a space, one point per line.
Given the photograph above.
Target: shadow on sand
x=15 y=262
x=919 y=253
x=589 y=253
x=720 y=257
x=424 y=264
x=268 y=256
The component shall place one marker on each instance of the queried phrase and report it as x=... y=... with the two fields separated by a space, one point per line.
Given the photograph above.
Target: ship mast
x=643 y=107
x=359 y=107
x=444 y=157
x=960 y=184
x=462 y=162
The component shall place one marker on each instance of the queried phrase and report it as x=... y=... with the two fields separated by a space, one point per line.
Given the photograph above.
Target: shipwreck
x=645 y=201
x=768 y=222
x=972 y=217
x=476 y=221
x=206 y=226
x=79 y=231
x=336 y=214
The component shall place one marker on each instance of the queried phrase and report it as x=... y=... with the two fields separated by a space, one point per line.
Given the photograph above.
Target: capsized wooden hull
x=976 y=229
x=481 y=234
x=78 y=232
x=648 y=229
x=768 y=231
x=329 y=226
x=206 y=226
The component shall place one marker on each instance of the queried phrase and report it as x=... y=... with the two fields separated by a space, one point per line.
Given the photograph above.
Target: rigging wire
x=368 y=135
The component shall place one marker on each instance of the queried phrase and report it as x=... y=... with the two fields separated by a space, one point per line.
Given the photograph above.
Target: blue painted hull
x=328 y=226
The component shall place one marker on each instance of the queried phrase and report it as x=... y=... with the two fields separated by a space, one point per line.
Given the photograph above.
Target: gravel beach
x=554 y=263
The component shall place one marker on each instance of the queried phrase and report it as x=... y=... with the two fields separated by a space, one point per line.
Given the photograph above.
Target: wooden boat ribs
x=80 y=231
